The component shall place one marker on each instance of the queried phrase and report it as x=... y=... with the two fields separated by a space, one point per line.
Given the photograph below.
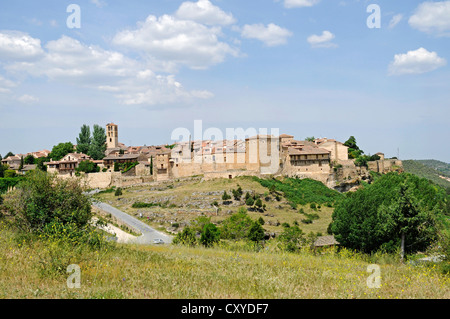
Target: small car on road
x=158 y=241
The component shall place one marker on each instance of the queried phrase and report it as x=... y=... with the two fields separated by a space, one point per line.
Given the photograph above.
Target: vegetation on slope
x=426 y=171
x=34 y=262
x=395 y=209
x=302 y=191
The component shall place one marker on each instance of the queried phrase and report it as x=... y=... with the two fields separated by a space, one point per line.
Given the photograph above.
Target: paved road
x=148 y=233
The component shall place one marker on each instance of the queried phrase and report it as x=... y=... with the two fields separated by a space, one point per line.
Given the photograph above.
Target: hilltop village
x=322 y=159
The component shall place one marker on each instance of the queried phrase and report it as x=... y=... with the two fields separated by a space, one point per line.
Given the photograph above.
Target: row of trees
x=95 y=145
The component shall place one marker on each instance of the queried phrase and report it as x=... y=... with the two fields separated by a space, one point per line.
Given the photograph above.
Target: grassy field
x=37 y=269
x=183 y=201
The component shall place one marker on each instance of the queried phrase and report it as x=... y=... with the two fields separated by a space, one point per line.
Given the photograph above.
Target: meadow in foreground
x=37 y=269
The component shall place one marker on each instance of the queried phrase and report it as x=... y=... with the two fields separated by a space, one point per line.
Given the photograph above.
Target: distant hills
x=436 y=171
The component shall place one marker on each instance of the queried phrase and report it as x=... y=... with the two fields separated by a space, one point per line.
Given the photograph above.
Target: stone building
x=112 y=136
x=68 y=164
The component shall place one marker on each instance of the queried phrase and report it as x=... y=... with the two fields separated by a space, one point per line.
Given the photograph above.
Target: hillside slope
x=420 y=169
x=442 y=167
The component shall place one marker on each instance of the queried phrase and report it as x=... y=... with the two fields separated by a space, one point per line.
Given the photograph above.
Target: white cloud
x=395 y=20
x=69 y=61
x=170 y=42
x=432 y=17
x=27 y=99
x=19 y=46
x=204 y=12
x=271 y=35
x=299 y=3
x=322 y=41
x=416 y=62
x=6 y=85
x=98 y=3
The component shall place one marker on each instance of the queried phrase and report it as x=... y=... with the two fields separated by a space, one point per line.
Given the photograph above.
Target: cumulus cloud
x=130 y=81
x=170 y=42
x=16 y=45
x=432 y=17
x=416 y=62
x=203 y=11
x=299 y=3
x=271 y=35
x=322 y=41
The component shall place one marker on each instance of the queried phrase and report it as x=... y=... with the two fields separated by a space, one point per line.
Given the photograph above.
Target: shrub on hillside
x=41 y=199
x=186 y=237
x=291 y=239
x=237 y=225
x=210 y=235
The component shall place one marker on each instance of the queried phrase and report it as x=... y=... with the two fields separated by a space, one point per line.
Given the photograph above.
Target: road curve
x=148 y=233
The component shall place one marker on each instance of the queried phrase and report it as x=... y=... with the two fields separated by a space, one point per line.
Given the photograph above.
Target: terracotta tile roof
x=286 y=136
x=307 y=150
x=121 y=156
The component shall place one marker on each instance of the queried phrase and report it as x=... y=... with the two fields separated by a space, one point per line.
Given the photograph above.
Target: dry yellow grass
x=197 y=273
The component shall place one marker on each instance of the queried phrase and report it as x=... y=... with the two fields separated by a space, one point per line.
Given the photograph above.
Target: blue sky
x=306 y=67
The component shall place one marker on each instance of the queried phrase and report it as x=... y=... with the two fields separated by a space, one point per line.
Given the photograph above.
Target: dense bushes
x=301 y=191
x=88 y=167
x=40 y=199
x=393 y=208
x=7 y=183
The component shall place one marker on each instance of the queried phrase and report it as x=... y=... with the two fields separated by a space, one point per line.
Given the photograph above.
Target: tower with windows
x=112 y=135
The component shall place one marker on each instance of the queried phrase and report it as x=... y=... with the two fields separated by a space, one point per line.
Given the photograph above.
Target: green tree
x=61 y=150
x=118 y=192
x=310 y=139
x=41 y=199
x=256 y=232
x=258 y=203
x=9 y=173
x=9 y=154
x=22 y=162
x=210 y=235
x=98 y=146
x=394 y=209
x=88 y=167
x=291 y=239
x=151 y=165
x=40 y=164
x=236 y=226
x=30 y=160
x=226 y=198
x=3 y=168
x=186 y=237
x=84 y=140
x=199 y=223
x=353 y=150
x=261 y=221
x=250 y=201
